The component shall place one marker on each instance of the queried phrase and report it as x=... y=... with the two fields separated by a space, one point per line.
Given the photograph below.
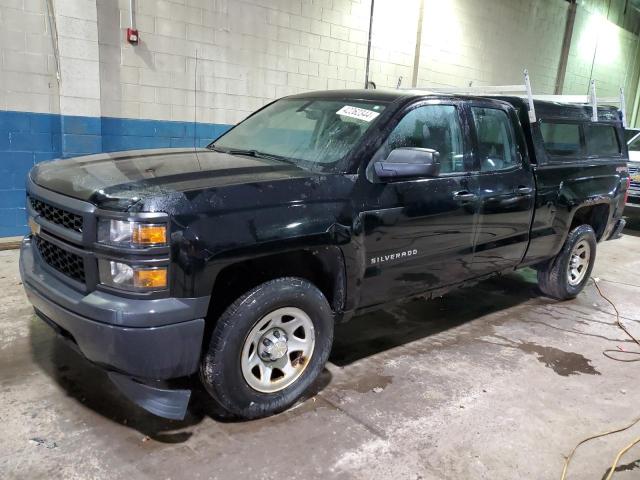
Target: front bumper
x=148 y=340
x=617 y=229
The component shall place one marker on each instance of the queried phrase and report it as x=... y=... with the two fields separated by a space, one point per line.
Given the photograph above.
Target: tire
x=555 y=279
x=225 y=368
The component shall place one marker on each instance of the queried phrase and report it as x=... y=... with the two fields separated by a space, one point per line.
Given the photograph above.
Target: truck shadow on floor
x=363 y=336
x=376 y=332
x=90 y=386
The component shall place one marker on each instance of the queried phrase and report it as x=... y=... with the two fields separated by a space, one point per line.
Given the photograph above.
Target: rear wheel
x=268 y=347
x=565 y=276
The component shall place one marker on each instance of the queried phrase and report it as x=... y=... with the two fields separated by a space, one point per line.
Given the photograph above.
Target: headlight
x=135 y=234
x=129 y=277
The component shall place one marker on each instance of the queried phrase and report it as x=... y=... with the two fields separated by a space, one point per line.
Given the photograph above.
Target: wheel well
x=324 y=267
x=595 y=215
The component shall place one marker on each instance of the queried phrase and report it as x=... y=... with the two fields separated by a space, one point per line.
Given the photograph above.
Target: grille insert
x=57 y=215
x=70 y=264
x=634 y=189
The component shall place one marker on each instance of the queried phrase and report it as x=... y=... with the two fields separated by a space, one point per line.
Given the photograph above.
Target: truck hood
x=122 y=179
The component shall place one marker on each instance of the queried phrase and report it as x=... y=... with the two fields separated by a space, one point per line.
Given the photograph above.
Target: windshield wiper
x=253 y=153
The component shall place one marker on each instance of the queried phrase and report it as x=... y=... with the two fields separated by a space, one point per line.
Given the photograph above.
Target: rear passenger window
x=496 y=146
x=561 y=139
x=602 y=140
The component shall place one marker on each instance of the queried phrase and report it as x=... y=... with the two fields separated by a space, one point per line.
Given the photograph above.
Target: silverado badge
x=393 y=256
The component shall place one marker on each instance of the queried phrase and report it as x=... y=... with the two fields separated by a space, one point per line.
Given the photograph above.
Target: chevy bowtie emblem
x=393 y=256
x=34 y=227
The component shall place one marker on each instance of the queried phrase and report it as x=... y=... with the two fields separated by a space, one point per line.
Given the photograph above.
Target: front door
x=506 y=189
x=419 y=233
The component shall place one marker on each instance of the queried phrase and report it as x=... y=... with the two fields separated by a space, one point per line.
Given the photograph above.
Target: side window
x=561 y=139
x=602 y=140
x=496 y=145
x=431 y=126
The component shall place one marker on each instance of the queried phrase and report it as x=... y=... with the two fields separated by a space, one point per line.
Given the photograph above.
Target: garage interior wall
x=70 y=84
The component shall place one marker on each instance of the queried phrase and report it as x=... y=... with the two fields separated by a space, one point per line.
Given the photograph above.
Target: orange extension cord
x=609 y=354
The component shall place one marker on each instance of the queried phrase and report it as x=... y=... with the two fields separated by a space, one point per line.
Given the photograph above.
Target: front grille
x=68 y=263
x=57 y=215
x=634 y=187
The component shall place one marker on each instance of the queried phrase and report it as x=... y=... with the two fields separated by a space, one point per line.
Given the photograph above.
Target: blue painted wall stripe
x=27 y=138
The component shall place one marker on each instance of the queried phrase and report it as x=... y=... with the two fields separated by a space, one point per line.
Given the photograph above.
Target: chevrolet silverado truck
x=233 y=262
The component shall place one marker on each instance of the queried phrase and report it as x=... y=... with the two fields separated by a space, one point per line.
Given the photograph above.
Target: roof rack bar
x=532 y=107
x=486 y=89
x=564 y=98
x=590 y=99
x=594 y=101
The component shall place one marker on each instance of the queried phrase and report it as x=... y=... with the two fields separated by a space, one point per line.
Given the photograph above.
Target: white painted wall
x=252 y=51
x=616 y=57
x=27 y=65
x=491 y=43
x=79 y=54
x=249 y=52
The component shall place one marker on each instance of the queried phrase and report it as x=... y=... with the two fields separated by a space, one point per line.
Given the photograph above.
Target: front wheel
x=268 y=347
x=565 y=276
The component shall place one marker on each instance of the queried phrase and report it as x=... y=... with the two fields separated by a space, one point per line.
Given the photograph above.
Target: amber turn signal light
x=150 y=278
x=149 y=234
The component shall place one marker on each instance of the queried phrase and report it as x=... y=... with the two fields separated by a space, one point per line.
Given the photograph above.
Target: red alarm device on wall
x=132 y=36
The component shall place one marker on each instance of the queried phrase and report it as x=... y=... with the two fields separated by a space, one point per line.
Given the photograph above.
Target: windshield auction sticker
x=358 y=113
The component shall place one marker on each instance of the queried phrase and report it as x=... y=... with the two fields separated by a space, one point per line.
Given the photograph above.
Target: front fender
x=211 y=243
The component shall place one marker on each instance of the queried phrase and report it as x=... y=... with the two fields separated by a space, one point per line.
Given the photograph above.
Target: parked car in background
x=632 y=136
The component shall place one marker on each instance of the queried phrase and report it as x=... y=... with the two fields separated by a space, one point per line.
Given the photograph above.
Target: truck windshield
x=315 y=134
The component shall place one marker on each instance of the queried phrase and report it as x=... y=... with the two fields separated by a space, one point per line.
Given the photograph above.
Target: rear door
x=506 y=187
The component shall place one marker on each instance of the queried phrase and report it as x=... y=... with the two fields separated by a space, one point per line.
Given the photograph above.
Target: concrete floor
x=494 y=381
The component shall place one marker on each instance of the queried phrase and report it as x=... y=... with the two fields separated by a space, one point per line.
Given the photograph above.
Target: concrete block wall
x=605 y=52
x=27 y=84
x=394 y=33
x=248 y=53
x=491 y=43
x=25 y=139
x=70 y=84
x=27 y=72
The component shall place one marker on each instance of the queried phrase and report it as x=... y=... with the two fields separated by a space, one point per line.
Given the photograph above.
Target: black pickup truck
x=234 y=261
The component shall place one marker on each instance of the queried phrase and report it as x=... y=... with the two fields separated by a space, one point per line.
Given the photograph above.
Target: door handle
x=522 y=190
x=465 y=196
